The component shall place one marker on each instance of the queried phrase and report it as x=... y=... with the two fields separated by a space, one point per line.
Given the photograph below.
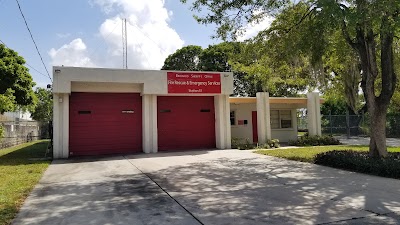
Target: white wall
x=106 y=87
x=17 y=115
x=243 y=112
x=149 y=83
x=222 y=122
x=153 y=81
x=60 y=125
x=286 y=134
x=313 y=114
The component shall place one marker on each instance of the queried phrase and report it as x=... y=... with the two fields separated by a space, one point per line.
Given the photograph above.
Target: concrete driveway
x=207 y=187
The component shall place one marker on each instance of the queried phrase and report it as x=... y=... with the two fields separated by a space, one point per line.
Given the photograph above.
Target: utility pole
x=124 y=45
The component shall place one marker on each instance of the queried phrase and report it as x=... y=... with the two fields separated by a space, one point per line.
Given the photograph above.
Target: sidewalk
x=395 y=142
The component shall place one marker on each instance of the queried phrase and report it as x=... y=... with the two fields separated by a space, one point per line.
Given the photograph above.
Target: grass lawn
x=306 y=154
x=18 y=175
x=300 y=133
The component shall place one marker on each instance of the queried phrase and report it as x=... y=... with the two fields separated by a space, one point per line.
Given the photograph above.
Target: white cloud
x=63 y=35
x=150 y=38
x=252 y=29
x=72 y=54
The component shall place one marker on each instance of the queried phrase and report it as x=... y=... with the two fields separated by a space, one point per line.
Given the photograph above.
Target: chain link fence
x=18 y=132
x=302 y=123
x=352 y=125
x=357 y=125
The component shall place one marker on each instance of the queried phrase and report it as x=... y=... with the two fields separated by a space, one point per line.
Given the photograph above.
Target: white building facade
x=121 y=111
x=107 y=111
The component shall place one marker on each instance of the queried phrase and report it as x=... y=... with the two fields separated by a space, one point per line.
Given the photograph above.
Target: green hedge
x=361 y=162
x=316 y=140
x=241 y=144
x=1 y=131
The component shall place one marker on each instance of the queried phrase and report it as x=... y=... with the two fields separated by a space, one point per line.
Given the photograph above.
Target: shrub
x=273 y=143
x=246 y=144
x=359 y=161
x=235 y=142
x=1 y=131
x=316 y=140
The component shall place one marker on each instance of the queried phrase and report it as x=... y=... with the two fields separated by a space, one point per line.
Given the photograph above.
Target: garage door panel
x=186 y=122
x=105 y=123
x=106 y=146
x=101 y=140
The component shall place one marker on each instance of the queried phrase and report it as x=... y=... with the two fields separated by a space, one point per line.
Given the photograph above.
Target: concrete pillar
x=294 y=120
x=57 y=146
x=222 y=122
x=313 y=113
x=318 y=113
x=60 y=126
x=65 y=125
x=149 y=123
x=263 y=117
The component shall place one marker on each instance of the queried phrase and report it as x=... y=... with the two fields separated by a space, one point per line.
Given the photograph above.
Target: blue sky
x=88 y=32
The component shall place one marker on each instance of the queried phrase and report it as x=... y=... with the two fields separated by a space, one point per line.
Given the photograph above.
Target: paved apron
x=207 y=187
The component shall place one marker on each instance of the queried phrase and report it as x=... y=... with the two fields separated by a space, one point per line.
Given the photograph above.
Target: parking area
x=207 y=187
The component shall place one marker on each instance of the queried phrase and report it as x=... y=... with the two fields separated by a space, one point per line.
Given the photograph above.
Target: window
x=233 y=118
x=275 y=119
x=281 y=119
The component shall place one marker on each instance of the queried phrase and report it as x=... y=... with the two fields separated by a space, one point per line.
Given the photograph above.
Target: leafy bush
x=235 y=142
x=359 y=161
x=273 y=143
x=316 y=140
x=246 y=144
x=1 y=131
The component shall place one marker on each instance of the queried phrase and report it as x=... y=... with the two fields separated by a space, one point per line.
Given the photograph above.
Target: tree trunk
x=377 y=144
x=365 y=43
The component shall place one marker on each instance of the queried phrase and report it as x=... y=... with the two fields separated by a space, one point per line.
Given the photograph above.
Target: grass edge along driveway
x=21 y=167
x=307 y=154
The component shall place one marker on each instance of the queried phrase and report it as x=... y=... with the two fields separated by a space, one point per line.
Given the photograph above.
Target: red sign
x=194 y=83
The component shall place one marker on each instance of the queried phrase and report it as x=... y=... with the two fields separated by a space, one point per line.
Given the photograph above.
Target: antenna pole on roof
x=124 y=45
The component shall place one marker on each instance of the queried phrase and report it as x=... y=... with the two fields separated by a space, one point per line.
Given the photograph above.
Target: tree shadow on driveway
x=120 y=199
x=216 y=187
x=268 y=190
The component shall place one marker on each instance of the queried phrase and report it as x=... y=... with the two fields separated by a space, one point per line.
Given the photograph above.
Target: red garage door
x=105 y=123
x=185 y=123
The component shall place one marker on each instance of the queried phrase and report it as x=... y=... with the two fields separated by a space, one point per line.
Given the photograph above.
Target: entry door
x=185 y=123
x=254 y=125
x=105 y=123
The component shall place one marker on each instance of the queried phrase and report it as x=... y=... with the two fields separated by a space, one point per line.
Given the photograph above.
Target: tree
x=220 y=58
x=184 y=59
x=368 y=27
x=43 y=110
x=281 y=72
x=15 y=81
x=344 y=64
x=213 y=58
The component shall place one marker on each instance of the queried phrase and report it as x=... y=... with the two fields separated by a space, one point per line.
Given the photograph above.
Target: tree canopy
x=213 y=58
x=368 y=27
x=15 y=81
x=186 y=58
x=43 y=110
